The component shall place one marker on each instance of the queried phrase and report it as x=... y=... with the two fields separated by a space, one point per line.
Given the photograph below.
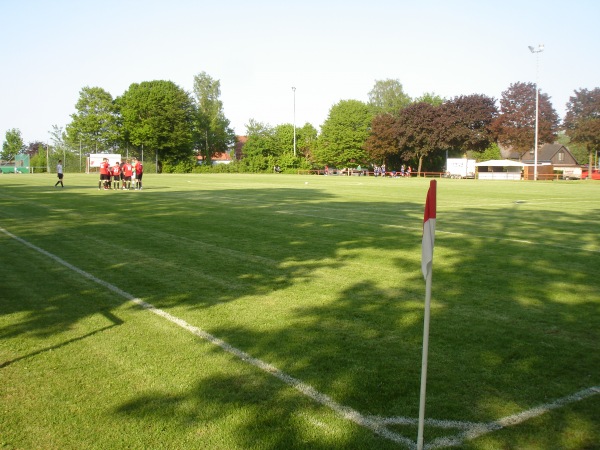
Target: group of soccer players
x=121 y=174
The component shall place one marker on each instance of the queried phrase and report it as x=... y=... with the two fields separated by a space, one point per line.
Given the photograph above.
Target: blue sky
x=329 y=50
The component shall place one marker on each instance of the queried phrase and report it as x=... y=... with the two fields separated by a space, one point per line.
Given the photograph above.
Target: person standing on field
x=104 y=174
x=139 y=171
x=59 y=173
x=116 y=175
x=127 y=173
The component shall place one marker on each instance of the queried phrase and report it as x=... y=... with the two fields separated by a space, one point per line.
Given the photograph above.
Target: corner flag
x=428 y=230
x=426 y=266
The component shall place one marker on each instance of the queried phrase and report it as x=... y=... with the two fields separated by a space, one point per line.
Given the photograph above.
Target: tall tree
x=159 y=116
x=260 y=139
x=344 y=133
x=258 y=151
x=418 y=126
x=582 y=121
x=13 y=145
x=466 y=123
x=515 y=126
x=283 y=137
x=383 y=138
x=212 y=132
x=388 y=96
x=95 y=124
x=306 y=140
x=430 y=97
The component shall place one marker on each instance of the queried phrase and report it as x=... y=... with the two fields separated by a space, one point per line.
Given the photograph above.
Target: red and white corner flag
x=426 y=266
x=428 y=230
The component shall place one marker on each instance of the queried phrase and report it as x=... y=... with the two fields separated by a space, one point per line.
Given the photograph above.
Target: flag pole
x=429 y=220
x=424 y=362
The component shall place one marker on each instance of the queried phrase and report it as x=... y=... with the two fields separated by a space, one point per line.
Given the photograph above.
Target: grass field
x=286 y=312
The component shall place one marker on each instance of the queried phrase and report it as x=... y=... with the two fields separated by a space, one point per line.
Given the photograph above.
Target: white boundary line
x=376 y=424
x=307 y=390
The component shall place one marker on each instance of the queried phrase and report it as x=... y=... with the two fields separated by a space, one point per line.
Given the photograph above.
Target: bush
x=183 y=166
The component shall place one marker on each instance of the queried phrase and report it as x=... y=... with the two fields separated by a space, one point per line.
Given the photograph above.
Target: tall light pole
x=537 y=51
x=294 y=89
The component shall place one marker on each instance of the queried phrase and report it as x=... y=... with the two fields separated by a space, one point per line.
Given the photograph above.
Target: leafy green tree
x=306 y=140
x=388 y=96
x=515 y=126
x=13 y=145
x=212 y=133
x=95 y=124
x=343 y=135
x=260 y=140
x=491 y=152
x=37 y=155
x=159 y=115
x=582 y=121
x=431 y=98
x=283 y=139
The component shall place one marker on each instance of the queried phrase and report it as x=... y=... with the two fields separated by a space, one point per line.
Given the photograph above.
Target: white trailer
x=572 y=173
x=460 y=168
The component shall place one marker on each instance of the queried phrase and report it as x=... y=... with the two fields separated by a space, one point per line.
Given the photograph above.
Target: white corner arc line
x=305 y=389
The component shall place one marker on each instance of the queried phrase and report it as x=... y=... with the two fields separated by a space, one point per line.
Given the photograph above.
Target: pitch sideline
x=378 y=425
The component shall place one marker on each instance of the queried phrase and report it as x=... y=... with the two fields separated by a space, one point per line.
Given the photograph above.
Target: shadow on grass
x=502 y=340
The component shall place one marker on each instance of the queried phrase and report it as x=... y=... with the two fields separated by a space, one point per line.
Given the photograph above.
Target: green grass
x=317 y=276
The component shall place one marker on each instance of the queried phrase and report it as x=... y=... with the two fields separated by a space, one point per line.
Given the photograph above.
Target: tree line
x=163 y=123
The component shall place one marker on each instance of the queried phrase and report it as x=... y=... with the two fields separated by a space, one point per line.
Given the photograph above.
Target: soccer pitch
x=286 y=311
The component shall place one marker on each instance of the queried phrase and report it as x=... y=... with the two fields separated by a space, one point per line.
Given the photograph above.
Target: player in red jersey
x=116 y=175
x=104 y=174
x=139 y=171
x=127 y=172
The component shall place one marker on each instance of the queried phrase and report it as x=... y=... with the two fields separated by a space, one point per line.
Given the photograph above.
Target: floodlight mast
x=537 y=51
x=294 y=89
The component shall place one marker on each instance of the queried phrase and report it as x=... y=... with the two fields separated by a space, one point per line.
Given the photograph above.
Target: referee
x=59 y=173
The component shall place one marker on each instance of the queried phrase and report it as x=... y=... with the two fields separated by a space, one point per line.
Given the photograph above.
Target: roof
x=499 y=163
x=547 y=153
x=217 y=157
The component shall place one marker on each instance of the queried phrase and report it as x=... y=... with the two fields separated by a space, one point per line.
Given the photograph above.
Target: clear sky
x=330 y=50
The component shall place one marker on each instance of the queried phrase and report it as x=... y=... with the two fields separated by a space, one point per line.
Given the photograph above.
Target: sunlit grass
x=321 y=280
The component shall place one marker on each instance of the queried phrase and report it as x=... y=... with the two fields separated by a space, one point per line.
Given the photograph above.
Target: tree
x=37 y=154
x=388 y=96
x=383 y=138
x=306 y=140
x=159 y=115
x=515 y=126
x=582 y=121
x=13 y=145
x=260 y=139
x=466 y=123
x=283 y=139
x=95 y=124
x=417 y=131
x=344 y=133
x=212 y=132
x=492 y=152
x=431 y=98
